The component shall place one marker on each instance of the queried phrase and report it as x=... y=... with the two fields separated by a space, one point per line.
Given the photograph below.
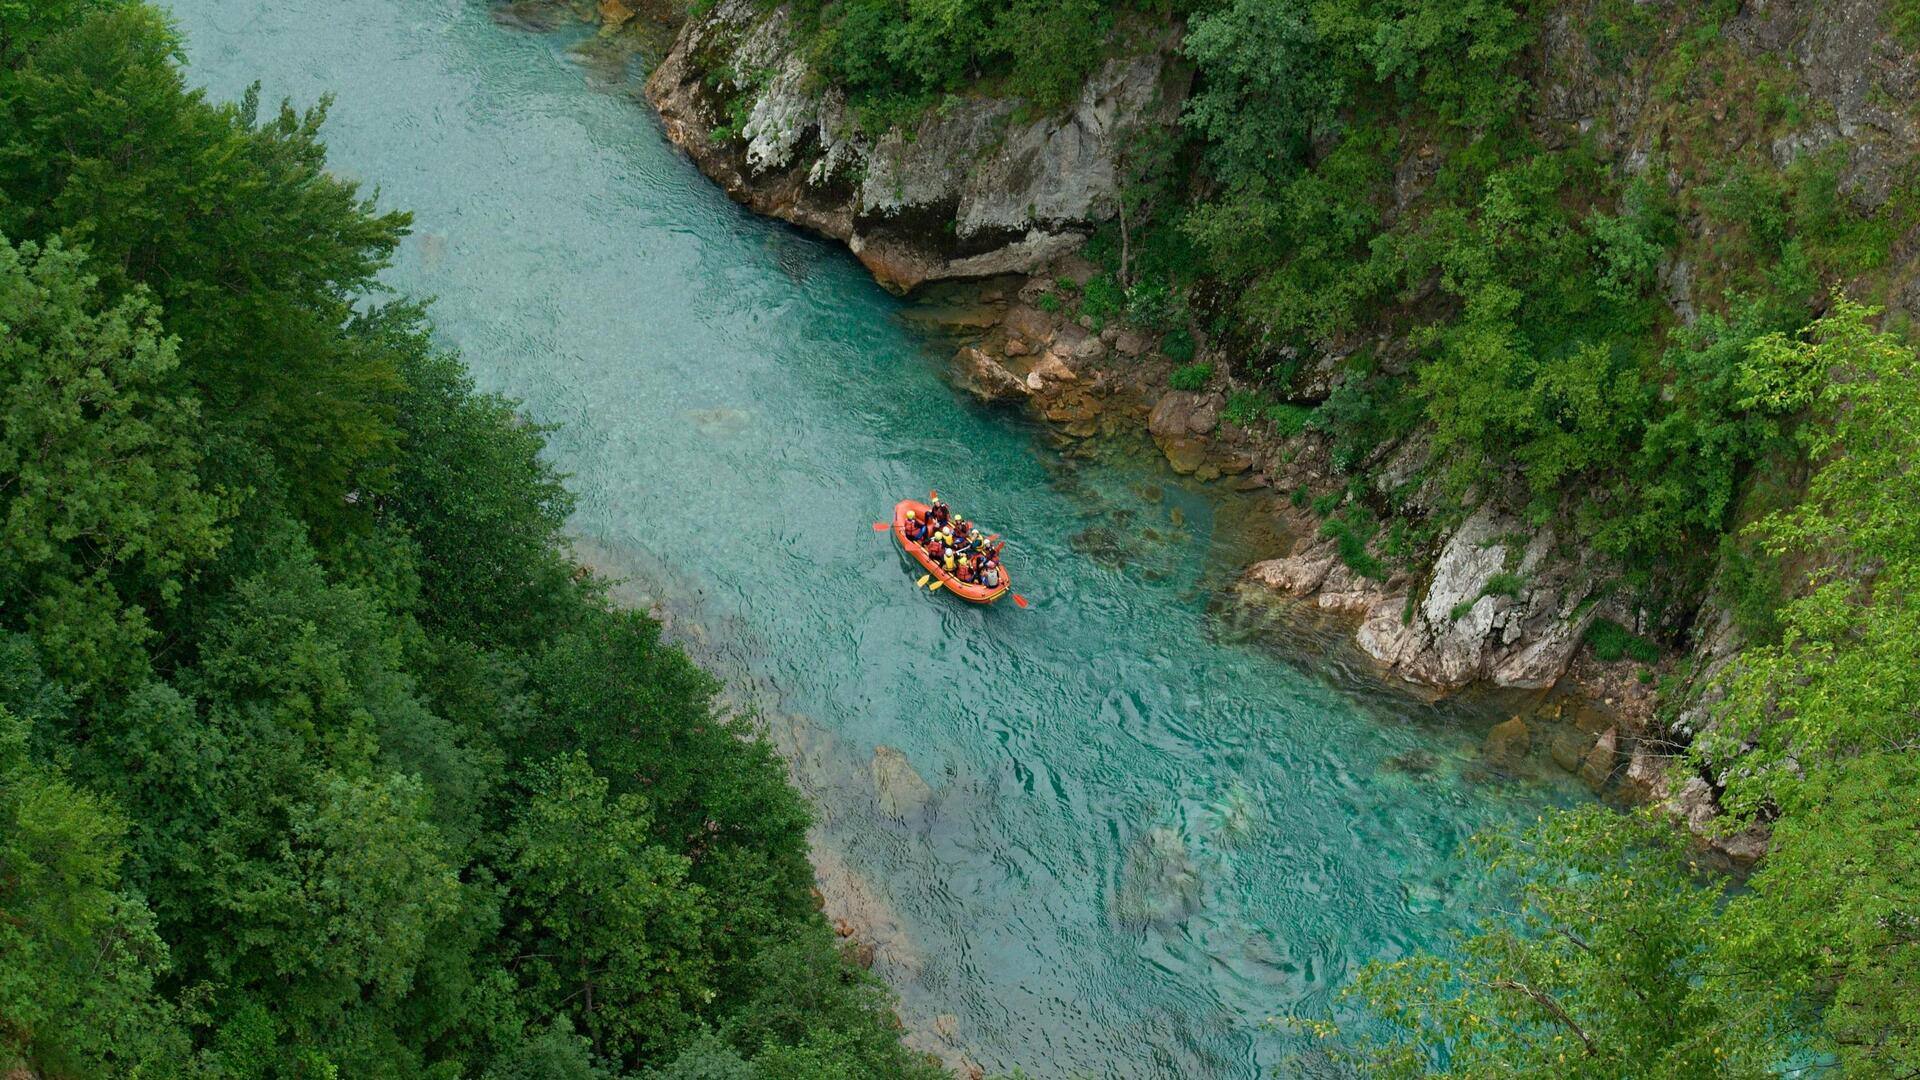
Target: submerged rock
x=1159 y=881
x=1569 y=750
x=1414 y=763
x=1507 y=744
x=897 y=787
x=1238 y=816
x=1186 y=454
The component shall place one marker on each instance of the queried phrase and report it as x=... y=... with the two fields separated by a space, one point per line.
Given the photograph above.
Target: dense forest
x=1384 y=183
x=318 y=756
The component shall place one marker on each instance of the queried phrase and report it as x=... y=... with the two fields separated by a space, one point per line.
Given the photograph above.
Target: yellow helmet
x=911 y=515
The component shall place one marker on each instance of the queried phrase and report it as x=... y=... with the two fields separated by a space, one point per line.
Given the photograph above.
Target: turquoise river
x=1159 y=825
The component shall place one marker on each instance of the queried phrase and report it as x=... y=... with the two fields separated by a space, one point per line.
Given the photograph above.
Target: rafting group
x=957 y=552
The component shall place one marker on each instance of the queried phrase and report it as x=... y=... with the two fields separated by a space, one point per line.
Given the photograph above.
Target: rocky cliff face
x=975 y=189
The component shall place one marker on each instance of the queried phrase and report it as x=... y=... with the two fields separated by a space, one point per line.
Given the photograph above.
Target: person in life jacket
x=933 y=545
x=946 y=560
x=916 y=529
x=991 y=576
x=964 y=571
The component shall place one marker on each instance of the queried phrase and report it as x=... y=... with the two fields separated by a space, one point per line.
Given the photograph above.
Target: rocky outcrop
x=1491 y=609
x=975 y=188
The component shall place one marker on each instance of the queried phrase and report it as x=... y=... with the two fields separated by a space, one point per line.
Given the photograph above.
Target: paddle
x=935 y=587
x=922 y=583
x=881 y=526
x=1018 y=599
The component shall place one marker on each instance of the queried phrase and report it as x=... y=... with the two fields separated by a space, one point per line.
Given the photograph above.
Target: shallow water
x=1151 y=830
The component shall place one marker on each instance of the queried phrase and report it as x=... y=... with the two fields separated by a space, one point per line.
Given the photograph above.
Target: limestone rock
x=1693 y=803
x=1129 y=342
x=1088 y=350
x=1646 y=772
x=1461 y=632
x=979 y=374
x=1205 y=417
x=1169 y=415
x=1052 y=368
x=1297 y=575
x=1026 y=321
x=979 y=188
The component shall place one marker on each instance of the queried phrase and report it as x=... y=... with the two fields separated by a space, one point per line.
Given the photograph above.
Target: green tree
x=1844 y=680
x=1612 y=968
x=470 y=488
x=101 y=515
x=254 y=251
x=602 y=923
x=23 y=23
x=77 y=993
x=1818 y=731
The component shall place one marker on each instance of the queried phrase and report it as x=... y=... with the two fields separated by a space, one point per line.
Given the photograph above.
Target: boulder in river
x=899 y=789
x=1597 y=769
x=979 y=374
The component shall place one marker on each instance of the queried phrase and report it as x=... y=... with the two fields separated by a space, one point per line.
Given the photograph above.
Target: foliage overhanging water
x=1148 y=834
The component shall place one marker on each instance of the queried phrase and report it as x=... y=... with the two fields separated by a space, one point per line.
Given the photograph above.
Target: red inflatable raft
x=978 y=594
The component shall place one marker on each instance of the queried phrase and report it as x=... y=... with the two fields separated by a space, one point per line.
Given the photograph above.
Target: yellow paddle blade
x=935 y=587
x=922 y=583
